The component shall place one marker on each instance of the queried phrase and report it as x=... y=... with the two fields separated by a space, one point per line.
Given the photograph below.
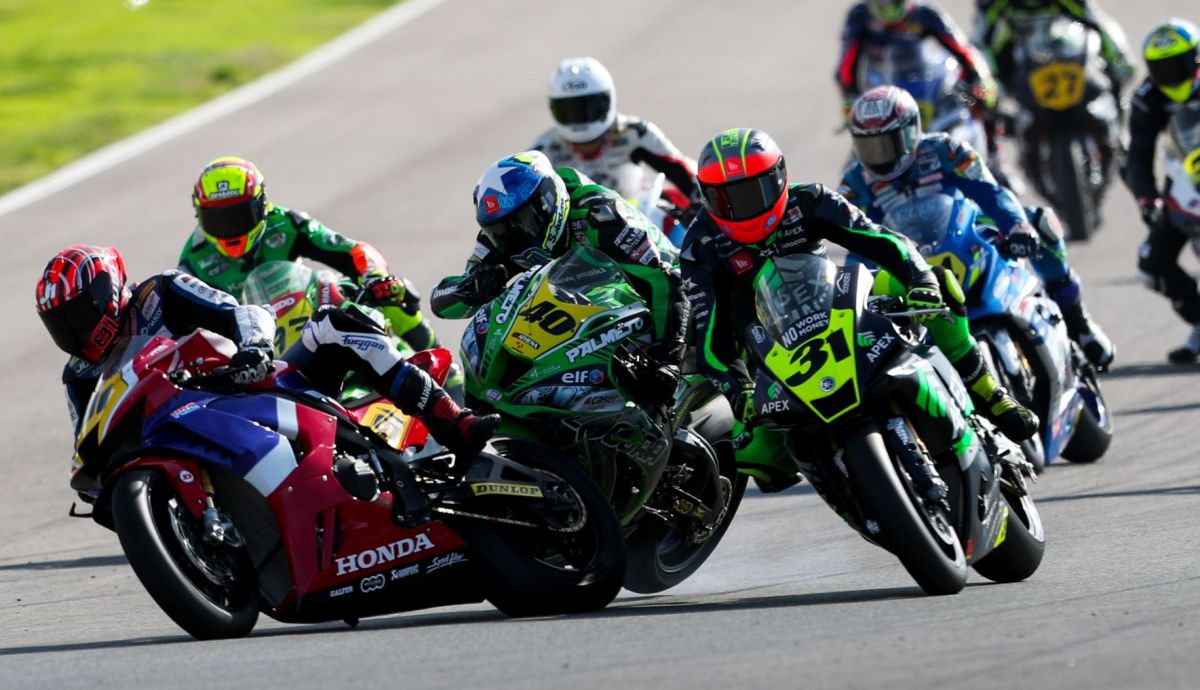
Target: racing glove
x=1151 y=208
x=984 y=94
x=251 y=364
x=380 y=290
x=486 y=281
x=925 y=297
x=1020 y=243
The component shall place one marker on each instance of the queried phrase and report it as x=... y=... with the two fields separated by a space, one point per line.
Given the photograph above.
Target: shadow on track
x=1163 y=491
x=382 y=623
x=660 y=606
x=1158 y=409
x=1139 y=370
x=67 y=563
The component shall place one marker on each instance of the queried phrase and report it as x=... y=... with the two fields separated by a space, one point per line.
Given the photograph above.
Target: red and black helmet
x=80 y=298
x=743 y=181
x=885 y=124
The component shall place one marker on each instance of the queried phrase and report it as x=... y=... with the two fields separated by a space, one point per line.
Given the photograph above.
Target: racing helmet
x=888 y=11
x=522 y=204
x=885 y=124
x=1171 y=58
x=80 y=299
x=582 y=99
x=743 y=183
x=231 y=205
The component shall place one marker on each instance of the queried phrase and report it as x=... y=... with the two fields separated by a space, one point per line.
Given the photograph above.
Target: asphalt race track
x=386 y=145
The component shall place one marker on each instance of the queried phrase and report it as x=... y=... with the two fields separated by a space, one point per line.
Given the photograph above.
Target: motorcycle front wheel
x=660 y=557
x=210 y=592
x=923 y=539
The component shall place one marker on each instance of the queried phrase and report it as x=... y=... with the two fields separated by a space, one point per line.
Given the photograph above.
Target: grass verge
x=78 y=74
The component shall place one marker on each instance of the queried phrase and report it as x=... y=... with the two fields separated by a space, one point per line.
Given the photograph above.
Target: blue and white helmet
x=521 y=204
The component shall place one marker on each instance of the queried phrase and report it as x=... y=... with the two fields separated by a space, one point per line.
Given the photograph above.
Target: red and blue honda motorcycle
x=231 y=500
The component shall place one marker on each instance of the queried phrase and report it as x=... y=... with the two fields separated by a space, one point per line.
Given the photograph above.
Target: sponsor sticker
x=742 y=263
x=381 y=555
x=843 y=284
x=445 y=560
x=373 y=583
x=827 y=384
x=506 y=489
x=184 y=410
x=407 y=571
x=604 y=339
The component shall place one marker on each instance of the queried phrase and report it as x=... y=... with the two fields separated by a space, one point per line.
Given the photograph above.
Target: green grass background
x=77 y=74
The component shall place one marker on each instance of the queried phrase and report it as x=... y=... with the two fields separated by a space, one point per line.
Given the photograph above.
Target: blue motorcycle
x=1018 y=326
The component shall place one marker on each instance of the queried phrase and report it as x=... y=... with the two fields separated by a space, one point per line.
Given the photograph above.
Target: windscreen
x=924 y=220
x=1185 y=129
x=1052 y=39
x=587 y=276
x=275 y=279
x=923 y=68
x=793 y=297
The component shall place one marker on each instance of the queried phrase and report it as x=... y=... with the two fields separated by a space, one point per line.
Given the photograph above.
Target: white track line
x=121 y=151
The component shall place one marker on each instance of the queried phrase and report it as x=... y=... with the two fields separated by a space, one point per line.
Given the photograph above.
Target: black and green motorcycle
x=882 y=427
x=558 y=354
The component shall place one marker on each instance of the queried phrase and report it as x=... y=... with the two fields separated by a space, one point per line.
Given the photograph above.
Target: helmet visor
x=71 y=324
x=881 y=152
x=748 y=198
x=232 y=220
x=1174 y=70
x=581 y=110
x=524 y=227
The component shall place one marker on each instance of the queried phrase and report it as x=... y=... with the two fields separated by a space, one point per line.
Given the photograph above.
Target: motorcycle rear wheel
x=161 y=540
x=535 y=575
x=1073 y=196
x=930 y=552
x=660 y=558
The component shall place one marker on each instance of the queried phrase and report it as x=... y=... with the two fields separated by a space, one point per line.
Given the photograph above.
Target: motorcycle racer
x=87 y=305
x=1170 y=50
x=238 y=229
x=878 y=22
x=589 y=134
x=752 y=212
x=895 y=159
x=529 y=213
x=996 y=21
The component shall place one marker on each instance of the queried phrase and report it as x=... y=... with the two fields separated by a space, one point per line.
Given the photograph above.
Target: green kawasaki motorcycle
x=558 y=354
x=882 y=427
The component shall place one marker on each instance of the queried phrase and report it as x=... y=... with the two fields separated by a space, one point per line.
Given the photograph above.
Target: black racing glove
x=1020 y=243
x=485 y=282
x=1151 y=208
x=251 y=364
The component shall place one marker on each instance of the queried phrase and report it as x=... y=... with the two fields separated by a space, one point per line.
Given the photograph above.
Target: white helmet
x=582 y=99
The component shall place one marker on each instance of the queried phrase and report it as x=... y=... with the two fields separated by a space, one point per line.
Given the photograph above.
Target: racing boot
x=457 y=428
x=1082 y=329
x=761 y=453
x=1190 y=352
x=1018 y=422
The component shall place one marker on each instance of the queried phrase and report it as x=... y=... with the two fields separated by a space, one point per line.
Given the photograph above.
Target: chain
x=507 y=521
